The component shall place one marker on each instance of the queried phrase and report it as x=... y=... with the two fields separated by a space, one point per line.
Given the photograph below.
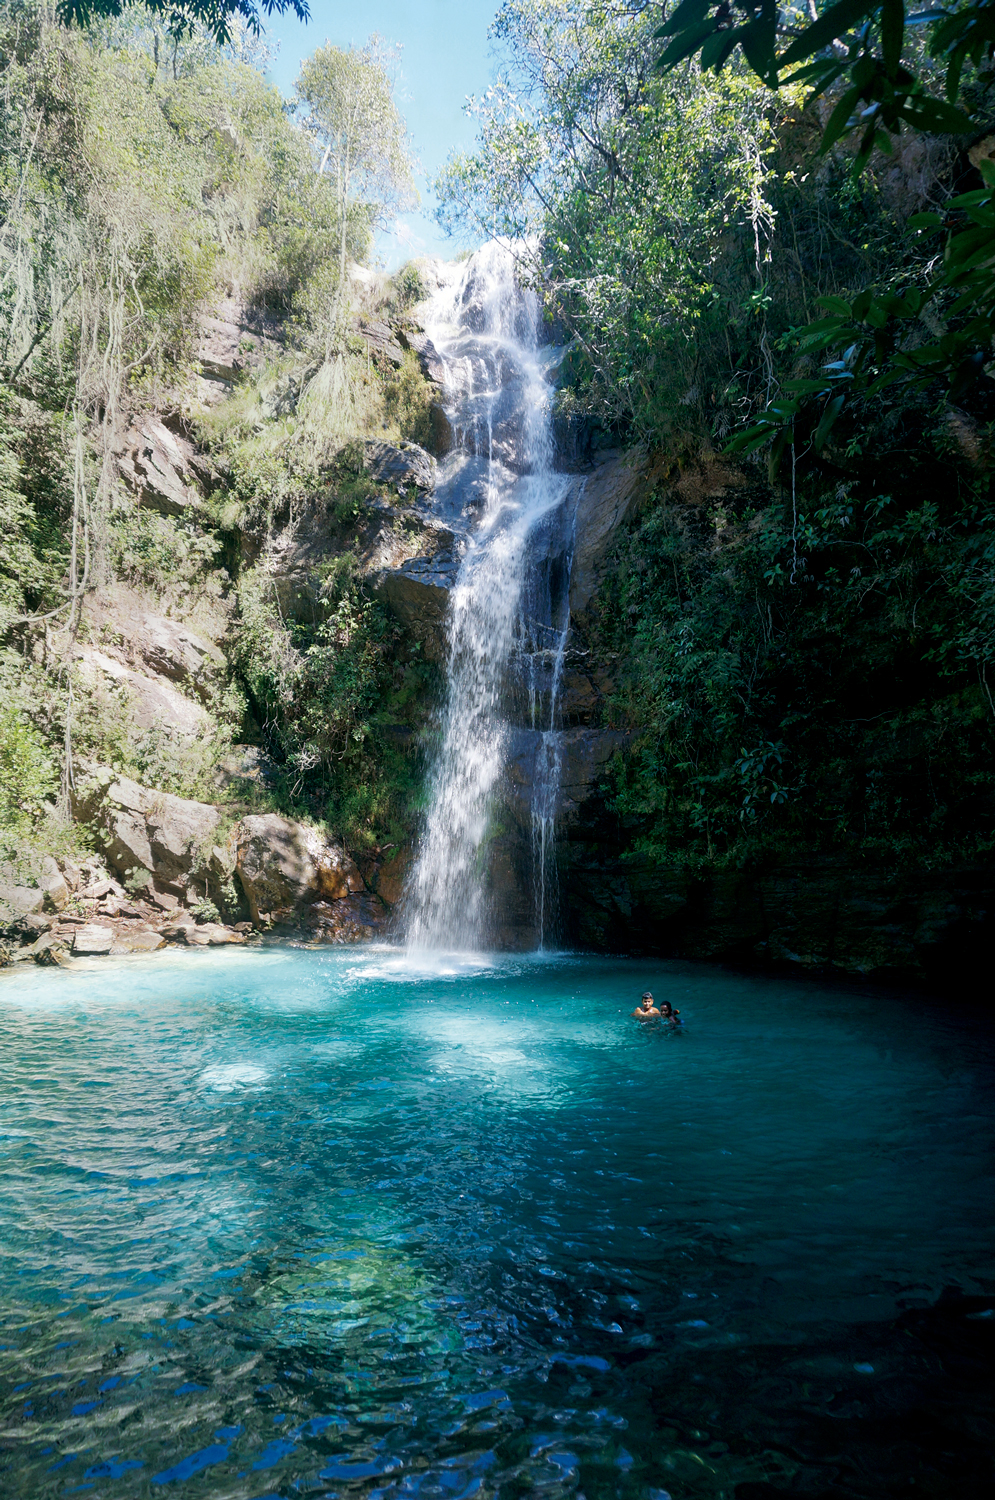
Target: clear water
x=299 y=1223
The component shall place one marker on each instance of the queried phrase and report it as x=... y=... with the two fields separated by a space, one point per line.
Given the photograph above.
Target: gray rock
x=148 y=640
x=160 y=468
x=381 y=341
x=406 y=464
x=418 y=594
x=20 y=900
x=606 y=499
x=150 y=701
x=210 y=934
x=429 y=357
x=143 y=941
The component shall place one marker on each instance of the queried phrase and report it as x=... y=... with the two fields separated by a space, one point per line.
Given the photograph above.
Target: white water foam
x=485 y=328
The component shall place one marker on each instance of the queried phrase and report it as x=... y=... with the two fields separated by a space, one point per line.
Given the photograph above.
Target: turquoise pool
x=298 y=1223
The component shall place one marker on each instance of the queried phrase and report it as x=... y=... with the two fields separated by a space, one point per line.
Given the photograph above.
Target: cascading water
x=485 y=329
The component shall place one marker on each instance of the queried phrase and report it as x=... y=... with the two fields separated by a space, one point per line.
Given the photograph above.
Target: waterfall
x=501 y=480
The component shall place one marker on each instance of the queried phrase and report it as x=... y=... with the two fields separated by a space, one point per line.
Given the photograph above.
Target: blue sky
x=445 y=56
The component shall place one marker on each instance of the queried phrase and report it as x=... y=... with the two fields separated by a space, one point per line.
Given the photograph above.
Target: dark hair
x=666 y=1005
x=646 y=995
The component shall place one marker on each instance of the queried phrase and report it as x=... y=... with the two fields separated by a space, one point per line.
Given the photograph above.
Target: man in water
x=646 y=1010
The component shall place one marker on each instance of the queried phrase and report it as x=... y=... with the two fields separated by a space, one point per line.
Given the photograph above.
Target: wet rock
x=389 y=879
x=284 y=866
x=406 y=464
x=606 y=499
x=93 y=939
x=353 y=919
x=172 y=837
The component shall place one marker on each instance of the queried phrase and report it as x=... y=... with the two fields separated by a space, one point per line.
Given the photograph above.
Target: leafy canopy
x=182 y=16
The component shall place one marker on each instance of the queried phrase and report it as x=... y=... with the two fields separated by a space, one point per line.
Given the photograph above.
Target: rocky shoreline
x=176 y=871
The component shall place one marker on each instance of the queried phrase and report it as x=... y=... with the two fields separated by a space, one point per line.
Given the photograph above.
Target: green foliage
x=336 y=698
x=220 y=17
x=27 y=774
x=814 y=678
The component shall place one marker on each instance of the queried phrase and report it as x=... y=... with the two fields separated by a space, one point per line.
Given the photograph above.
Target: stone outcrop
x=404 y=466
x=130 y=631
x=161 y=468
x=31 y=887
x=173 y=838
x=381 y=340
x=418 y=594
x=429 y=357
x=147 y=700
x=285 y=867
x=606 y=499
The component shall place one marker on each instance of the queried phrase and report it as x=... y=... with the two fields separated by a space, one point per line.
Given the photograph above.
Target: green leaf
x=892 y=34
x=834 y=305
x=832 y=411
x=687 y=14
x=839 y=119
x=758 y=40
x=684 y=45
x=936 y=116
x=834 y=22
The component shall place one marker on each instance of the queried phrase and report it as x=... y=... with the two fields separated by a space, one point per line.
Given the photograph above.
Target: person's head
x=666 y=1009
x=646 y=1003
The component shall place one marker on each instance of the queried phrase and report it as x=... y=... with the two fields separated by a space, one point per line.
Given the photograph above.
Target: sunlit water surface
x=290 y=1223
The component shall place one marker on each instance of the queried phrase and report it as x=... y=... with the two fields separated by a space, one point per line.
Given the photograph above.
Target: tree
x=362 y=137
x=181 y=16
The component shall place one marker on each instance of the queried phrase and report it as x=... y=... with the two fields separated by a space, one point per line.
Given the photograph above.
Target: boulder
x=19 y=900
x=172 y=837
x=606 y=499
x=209 y=934
x=143 y=941
x=93 y=939
x=405 y=465
x=285 y=866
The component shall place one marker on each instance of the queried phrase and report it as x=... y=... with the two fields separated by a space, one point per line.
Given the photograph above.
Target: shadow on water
x=300 y=1223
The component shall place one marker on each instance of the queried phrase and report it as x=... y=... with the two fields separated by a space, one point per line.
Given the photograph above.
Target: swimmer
x=646 y=1010
x=668 y=1013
